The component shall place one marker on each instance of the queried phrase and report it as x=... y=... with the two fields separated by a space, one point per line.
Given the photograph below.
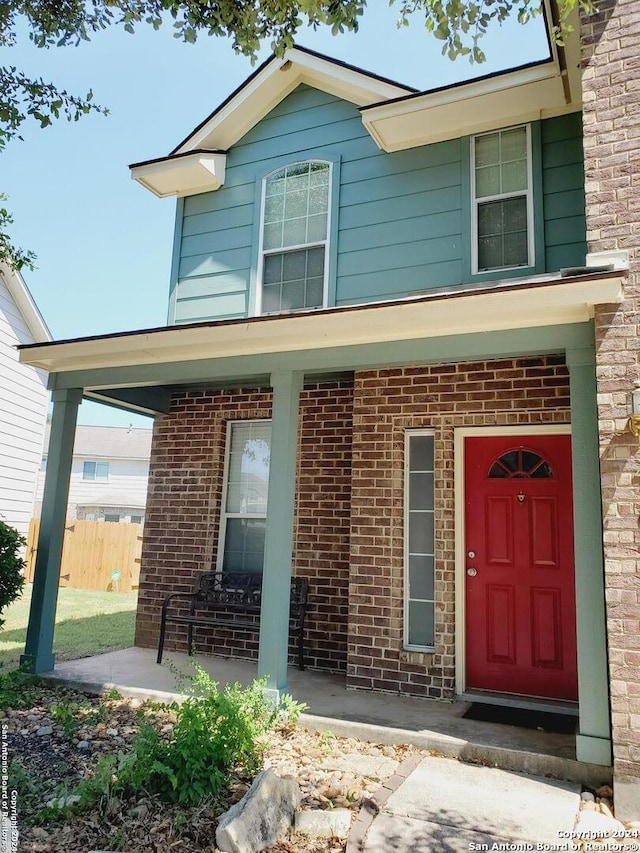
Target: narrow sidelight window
x=501 y=170
x=294 y=239
x=244 y=506
x=419 y=617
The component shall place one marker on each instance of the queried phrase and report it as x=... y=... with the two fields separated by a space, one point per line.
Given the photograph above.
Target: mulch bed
x=57 y=740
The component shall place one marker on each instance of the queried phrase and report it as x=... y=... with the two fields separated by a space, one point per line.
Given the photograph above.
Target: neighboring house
x=109 y=474
x=23 y=400
x=419 y=312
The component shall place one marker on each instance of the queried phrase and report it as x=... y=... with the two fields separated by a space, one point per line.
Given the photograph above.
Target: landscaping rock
x=605 y=791
x=43 y=731
x=84 y=745
x=262 y=816
x=327 y=823
x=373 y=766
x=594 y=824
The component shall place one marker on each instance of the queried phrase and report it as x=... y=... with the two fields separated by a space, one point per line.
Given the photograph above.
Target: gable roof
x=396 y=116
x=25 y=303
x=273 y=81
x=197 y=164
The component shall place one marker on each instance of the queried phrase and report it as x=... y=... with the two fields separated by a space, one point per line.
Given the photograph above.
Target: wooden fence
x=96 y=555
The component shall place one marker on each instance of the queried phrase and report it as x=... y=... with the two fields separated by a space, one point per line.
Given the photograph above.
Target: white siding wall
x=126 y=486
x=23 y=410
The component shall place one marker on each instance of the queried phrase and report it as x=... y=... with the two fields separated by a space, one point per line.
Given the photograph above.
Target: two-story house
x=401 y=348
x=23 y=400
x=109 y=474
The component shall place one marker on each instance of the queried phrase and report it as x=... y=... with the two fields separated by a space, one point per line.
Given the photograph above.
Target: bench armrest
x=188 y=596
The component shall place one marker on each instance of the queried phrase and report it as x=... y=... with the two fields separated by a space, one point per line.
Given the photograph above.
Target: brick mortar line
x=373 y=805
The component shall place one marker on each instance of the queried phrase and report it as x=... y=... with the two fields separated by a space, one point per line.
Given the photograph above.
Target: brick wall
x=349 y=507
x=439 y=397
x=611 y=94
x=183 y=513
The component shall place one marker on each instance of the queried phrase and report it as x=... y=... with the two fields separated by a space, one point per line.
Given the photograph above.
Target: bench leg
x=300 y=649
x=163 y=626
x=190 y=640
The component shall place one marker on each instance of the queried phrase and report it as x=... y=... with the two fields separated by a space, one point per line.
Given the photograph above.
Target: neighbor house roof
x=103 y=442
x=25 y=302
x=113 y=499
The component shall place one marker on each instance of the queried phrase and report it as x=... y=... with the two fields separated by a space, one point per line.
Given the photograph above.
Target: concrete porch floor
x=383 y=718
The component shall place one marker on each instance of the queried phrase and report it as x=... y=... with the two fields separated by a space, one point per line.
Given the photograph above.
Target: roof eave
x=522 y=94
x=197 y=172
x=543 y=302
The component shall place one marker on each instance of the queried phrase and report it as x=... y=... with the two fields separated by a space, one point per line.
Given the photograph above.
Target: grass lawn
x=87 y=623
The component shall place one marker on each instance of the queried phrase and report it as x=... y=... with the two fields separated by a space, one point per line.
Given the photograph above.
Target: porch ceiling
x=524 y=305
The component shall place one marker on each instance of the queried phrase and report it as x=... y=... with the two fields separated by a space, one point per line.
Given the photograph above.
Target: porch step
x=527 y=703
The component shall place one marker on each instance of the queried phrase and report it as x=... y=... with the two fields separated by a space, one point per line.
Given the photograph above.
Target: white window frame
x=224 y=515
x=298 y=247
x=413 y=647
x=95 y=478
x=475 y=202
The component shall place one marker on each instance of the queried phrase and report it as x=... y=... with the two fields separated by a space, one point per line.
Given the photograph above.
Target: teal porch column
x=278 y=546
x=593 y=743
x=38 y=653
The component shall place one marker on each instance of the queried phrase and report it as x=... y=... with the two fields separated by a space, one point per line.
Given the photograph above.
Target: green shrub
x=11 y=566
x=215 y=733
x=19 y=690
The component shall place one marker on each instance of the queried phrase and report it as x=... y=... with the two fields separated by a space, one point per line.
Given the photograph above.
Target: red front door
x=519 y=572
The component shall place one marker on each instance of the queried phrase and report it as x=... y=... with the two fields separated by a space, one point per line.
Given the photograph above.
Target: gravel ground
x=57 y=741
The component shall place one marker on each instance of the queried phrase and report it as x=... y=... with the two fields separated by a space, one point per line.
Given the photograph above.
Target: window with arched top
x=520 y=464
x=294 y=238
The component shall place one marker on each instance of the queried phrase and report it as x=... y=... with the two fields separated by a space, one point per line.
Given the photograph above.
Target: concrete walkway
x=382 y=718
x=431 y=805
x=444 y=806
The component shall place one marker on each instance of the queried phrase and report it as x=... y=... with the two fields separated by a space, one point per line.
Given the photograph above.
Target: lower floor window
x=419 y=617
x=244 y=509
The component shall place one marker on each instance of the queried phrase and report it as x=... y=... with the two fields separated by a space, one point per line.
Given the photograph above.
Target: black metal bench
x=232 y=601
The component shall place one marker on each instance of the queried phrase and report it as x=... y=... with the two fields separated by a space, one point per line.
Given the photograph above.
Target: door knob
x=472 y=572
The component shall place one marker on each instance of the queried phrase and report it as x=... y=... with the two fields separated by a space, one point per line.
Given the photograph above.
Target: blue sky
x=103 y=242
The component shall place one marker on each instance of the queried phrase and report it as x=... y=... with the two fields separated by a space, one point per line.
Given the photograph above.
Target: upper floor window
x=502 y=199
x=95 y=471
x=294 y=239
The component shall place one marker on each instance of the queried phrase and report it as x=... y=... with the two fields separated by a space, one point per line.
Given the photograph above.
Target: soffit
x=527 y=305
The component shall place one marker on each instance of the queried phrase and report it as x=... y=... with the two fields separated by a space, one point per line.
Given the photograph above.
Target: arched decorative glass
x=520 y=464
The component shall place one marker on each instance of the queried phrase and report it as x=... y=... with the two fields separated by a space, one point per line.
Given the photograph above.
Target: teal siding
x=403 y=219
x=563 y=182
